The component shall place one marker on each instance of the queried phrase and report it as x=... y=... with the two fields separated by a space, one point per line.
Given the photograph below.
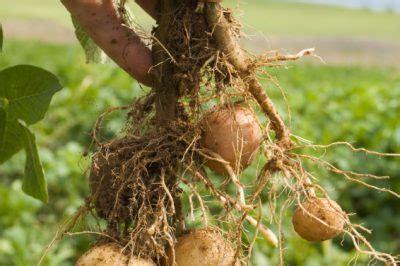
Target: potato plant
x=172 y=136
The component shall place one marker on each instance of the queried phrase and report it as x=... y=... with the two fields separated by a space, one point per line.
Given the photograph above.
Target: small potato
x=311 y=229
x=233 y=132
x=202 y=247
x=110 y=255
x=136 y=261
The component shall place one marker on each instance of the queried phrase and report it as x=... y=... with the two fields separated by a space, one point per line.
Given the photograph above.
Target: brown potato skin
x=203 y=247
x=136 y=261
x=313 y=230
x=110 y=254
x=228 y=129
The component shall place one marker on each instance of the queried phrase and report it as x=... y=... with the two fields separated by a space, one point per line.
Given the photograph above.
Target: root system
x=136 y=181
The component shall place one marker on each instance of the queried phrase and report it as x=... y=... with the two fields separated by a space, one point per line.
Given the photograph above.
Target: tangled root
x=134 y=187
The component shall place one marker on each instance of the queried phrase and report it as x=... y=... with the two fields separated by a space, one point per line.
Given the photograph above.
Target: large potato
x=312 y=229
x=233 y=132
x=203 y=247
x=110 y=255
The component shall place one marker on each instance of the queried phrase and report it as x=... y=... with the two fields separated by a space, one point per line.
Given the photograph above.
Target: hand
x=101 y=21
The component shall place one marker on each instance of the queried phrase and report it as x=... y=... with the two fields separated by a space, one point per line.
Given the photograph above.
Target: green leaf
x=25 y=93
x=93 y=52
x=29 y=90
x=1 y=37
x=3 y=120
x=34 y=181
x=10 y=137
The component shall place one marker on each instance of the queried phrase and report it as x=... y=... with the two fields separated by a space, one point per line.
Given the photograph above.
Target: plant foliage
x=25 y=94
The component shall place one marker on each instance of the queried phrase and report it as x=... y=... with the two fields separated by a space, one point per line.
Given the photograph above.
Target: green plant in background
x=25 y=95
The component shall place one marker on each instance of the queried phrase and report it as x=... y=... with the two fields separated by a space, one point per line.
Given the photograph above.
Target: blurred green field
x=297 y=19
x=45 y=10
x=267 y=16
x=328 y=103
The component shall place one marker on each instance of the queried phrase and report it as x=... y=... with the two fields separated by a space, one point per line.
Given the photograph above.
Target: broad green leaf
x=3 y=120
x=25 y=93
x=93 y=53
x=34 y=182
x=1 y=37
x=10 y=137
x=29 y=90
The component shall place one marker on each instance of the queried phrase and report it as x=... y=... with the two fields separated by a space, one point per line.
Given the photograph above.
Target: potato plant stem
x=166 y=93
x=166 y=96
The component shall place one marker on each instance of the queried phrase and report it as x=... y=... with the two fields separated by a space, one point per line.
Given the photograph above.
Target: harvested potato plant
x=202 y=111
